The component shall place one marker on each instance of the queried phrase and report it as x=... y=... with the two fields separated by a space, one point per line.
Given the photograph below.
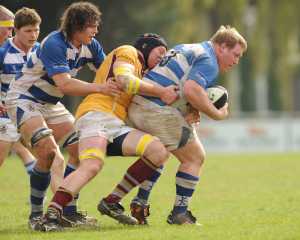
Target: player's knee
x=47 y=153
x=198 y=157
x=92 y=159
x=157 y=153
x=69 y=139
x=39 y=135
x=92 y=167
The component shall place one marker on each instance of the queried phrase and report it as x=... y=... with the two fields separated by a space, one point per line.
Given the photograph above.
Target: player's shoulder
x=126 y=51
x=6 y=48
x=53 y=40
x=94 y=46
x=204 y=54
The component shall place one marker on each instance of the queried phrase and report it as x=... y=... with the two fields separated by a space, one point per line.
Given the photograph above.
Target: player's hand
x=110 y=88
x=117 y=82
x=223 y=112
x=2 y=110
x=169 y=94
x=193 y=116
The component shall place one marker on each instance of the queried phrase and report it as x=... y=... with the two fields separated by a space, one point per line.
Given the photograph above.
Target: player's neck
x=76 y=43
x=20 y=45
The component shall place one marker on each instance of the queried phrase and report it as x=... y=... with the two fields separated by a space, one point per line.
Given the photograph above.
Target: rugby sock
x=146 y=187
x=29 y=166
x=185 y=186
x=39 y=182
x=137 y=173
x=60 y=199
x=72 y=206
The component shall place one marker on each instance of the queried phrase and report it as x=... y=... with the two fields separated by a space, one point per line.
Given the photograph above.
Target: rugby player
x=192 y=67
x=13 y=55
x=33 y=99
x=102 y=129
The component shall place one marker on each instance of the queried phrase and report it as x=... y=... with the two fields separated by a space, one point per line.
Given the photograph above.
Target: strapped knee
x=91 y=153
x=68 y=139
x=143 y=143
x=40 y=134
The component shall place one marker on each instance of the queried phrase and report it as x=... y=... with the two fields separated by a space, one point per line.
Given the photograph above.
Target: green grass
x=238 y=197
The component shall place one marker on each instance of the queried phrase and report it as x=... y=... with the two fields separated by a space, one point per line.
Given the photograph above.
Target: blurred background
x=263 y=89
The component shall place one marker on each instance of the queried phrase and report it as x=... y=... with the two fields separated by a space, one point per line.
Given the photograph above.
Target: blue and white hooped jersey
x=12 y=60
x=196 y=62
x=55 y=55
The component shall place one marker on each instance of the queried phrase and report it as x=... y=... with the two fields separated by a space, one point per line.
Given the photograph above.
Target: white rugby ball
x=218 y=95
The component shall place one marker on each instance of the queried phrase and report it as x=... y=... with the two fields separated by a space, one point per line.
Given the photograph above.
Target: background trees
x=268 y=78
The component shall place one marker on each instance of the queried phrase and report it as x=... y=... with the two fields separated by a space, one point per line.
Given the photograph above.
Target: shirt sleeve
x=1 y=59
x=54 y=58
x=126 y=54
x=202 y=72
x=97 y=52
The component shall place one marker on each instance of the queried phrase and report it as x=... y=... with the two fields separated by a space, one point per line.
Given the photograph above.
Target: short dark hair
x=78 y=16
x=26 y=16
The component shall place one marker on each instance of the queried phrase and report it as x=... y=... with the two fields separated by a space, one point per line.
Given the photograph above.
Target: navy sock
x=39 y=182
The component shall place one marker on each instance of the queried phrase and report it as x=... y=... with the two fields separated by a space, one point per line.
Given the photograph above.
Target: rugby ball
x=218 y=95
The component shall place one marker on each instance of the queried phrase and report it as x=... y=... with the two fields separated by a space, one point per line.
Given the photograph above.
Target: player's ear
x=222 y=46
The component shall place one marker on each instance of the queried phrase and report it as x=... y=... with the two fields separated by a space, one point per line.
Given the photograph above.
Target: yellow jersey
x=117 y=106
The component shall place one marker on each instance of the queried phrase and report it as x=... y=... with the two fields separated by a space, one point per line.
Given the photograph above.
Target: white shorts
x=164 y=122
x=22 y=110
x=8 y=131
x=96 y=123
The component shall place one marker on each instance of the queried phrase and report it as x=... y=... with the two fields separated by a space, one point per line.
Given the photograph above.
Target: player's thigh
x=60 y=130
x=30 y=126
x=137 y=143
x=60 y=120
x=166 y=123
x=92 y=151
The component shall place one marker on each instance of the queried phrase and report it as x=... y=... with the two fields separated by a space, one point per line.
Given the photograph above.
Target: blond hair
x=230 y=36
x=5 y=14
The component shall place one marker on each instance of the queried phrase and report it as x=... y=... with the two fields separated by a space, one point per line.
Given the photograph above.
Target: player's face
x=5 y=32
x=27 y=35
x=228 y=57
x=156 y=55
x=85 y=37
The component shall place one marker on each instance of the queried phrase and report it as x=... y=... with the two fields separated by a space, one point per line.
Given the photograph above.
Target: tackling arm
x=75 y=87
x=124 y=74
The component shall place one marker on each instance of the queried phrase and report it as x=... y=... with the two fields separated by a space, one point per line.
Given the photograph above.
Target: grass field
x=239 y=197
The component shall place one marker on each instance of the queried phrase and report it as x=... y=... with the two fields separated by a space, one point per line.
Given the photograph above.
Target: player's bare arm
x=198 y=98
x=72 y=86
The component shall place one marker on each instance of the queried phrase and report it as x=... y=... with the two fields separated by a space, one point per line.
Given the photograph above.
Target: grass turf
x=239 y=197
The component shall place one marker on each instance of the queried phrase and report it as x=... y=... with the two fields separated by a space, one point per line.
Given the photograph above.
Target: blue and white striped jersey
x=55 y=55
x=12 y=60
x=196 y=62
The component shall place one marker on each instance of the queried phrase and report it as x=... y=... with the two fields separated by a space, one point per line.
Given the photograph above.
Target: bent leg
x=35 y=132
x=91 y=154
x=152 y=155
x=191 y=158
x=4 y=150
x=25 y=155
